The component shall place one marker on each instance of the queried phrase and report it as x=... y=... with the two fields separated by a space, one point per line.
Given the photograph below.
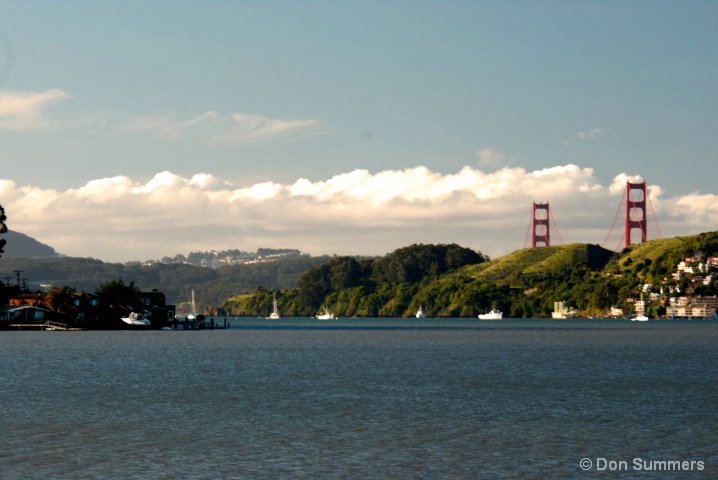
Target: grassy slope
x=559 y=259
x=536 y=262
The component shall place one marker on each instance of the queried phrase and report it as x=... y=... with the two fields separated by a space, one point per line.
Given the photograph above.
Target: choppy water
x=359 y=399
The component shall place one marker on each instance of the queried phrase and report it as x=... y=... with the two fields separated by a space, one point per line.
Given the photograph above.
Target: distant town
x=700 y=273
x=216 y=259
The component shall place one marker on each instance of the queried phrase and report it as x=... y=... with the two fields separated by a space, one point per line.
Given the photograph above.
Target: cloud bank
x=358 y=212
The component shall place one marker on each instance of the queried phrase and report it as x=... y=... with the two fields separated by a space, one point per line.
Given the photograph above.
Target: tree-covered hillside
x=450 y=281
x=383 y=287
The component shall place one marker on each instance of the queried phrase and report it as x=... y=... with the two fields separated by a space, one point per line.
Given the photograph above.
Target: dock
x=61 y=327
x=198 y=324
x=27 y=326
x=51 y=326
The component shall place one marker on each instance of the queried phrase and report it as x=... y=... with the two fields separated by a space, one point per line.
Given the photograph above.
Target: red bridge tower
x=540 y=225
x=635 y=211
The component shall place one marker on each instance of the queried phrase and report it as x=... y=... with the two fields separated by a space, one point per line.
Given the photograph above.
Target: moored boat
x=137 y=320
x=326 y=314
x=492 y=315
x=275 y=310
x=561 y=312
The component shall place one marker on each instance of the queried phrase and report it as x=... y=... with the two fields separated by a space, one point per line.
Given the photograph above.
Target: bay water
x=363 y=398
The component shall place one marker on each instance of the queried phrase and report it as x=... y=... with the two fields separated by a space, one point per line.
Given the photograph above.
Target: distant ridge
x=20 y=245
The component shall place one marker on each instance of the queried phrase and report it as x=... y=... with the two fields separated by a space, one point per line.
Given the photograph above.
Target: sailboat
x=193 y=312
x=275 y=310
x=642 y=317
x=420 y=312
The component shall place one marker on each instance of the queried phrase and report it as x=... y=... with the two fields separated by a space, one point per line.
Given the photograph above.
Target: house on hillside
x=693 y=307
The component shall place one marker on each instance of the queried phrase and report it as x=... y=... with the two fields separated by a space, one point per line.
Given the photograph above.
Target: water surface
x=359 y=398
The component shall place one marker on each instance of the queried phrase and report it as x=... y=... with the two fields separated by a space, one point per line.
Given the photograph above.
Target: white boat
x=640 y=316
x=420 y=312
x=137 y=320
x=275 y=310
x=492 y=315
x=326 y=315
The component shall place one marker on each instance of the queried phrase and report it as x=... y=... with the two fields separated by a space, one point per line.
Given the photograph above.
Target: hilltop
x=20 y=245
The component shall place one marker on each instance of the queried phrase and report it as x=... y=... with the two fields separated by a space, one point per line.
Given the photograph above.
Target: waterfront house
x=25 y=315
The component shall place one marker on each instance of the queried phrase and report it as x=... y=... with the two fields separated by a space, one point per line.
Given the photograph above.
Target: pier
x=27 y=326
x=198 y=324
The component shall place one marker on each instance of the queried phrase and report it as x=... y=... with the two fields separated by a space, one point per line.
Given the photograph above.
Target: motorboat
x=420 y=312
x=492 y=315
x=326 y=314
x=137 y=320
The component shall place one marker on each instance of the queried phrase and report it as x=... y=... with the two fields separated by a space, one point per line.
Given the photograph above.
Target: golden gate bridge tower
x=539 y=225
x=636 y=220
x=540 y=232
x=635 y=211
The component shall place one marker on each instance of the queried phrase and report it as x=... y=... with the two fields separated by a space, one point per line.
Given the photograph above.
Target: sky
x=134 y=130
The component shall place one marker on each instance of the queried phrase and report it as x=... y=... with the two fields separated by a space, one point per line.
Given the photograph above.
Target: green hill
x=525 y=283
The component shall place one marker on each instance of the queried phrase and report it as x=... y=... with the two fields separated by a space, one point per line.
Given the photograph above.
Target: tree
x=116 y=293
x=313 y=286
x=61 y=299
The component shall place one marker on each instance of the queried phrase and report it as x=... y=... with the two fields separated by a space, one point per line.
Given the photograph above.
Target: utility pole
x=18 y=272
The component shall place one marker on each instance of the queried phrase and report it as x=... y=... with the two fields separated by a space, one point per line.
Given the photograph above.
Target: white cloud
x=251 y=129
x=619 y=182
x=358 y=212
x=223 y=129
x=694 y=208
x=26 y=110
x=593 y=133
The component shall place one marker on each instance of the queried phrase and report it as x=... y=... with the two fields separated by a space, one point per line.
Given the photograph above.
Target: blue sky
x=260 y=96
